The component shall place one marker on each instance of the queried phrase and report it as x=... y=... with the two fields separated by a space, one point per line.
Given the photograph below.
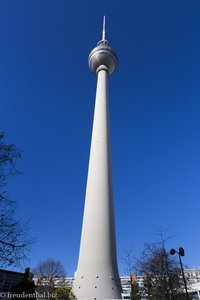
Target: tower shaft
x=97 y=274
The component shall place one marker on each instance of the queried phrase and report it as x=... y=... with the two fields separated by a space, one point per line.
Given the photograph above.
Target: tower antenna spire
x=104 y=29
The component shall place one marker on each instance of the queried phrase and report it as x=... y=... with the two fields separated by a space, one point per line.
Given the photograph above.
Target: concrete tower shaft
x=97 y=273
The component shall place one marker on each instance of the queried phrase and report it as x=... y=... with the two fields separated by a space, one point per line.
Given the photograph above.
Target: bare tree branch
x=13 y=234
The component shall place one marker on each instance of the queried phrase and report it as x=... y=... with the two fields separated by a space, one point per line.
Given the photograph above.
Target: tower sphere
x=102 y=55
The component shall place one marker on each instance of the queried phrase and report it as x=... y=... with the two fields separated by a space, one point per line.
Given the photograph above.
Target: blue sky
x=47 y=99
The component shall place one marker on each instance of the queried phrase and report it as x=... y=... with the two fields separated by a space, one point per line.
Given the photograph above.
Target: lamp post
x=180 y=253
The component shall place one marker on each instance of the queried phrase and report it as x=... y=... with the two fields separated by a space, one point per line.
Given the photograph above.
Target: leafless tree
x=161 y=272
x=48 y=270
x=51 y=278
x=13 y=233
x=129 y=262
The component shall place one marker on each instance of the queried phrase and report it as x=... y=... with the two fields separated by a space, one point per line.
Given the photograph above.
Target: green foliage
x=63 y=293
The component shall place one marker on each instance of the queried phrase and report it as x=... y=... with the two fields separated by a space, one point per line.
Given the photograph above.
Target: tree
x=135 y=291
x=13 y=233
x=51 y=279
x=161 y=273
x=48 y=270
x=129 y=264
x=63 y=293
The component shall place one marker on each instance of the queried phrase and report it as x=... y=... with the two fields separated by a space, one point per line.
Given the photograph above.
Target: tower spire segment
x=104 y=29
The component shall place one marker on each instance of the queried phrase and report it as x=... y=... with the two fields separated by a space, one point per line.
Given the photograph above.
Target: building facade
x=9 y=279
x=192 y=275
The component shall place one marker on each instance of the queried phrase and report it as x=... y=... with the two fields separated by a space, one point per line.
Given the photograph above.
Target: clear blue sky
x=47 y=99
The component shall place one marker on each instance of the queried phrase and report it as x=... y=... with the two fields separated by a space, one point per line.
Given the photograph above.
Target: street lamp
x=180 y=253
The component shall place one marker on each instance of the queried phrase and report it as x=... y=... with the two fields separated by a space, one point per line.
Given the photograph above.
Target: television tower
x=97 y=276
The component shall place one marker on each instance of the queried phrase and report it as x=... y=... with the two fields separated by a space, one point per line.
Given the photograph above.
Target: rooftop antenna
x=104 y=29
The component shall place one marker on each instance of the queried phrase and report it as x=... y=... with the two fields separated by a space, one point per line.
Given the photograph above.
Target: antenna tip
x=104 y=28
